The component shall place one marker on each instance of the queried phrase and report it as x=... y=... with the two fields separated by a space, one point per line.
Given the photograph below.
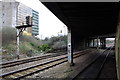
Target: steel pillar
x=117 y=47
x=70 y=48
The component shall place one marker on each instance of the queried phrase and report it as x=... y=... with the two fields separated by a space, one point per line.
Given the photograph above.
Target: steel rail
x=36 y=68
x=101 y=67
x=17 y=62
x=93 y=61
x=14 y=63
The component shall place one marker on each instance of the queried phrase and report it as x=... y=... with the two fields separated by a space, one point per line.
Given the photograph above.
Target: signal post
x=20 y=30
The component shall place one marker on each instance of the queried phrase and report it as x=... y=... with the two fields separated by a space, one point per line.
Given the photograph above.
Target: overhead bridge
x=88 y=21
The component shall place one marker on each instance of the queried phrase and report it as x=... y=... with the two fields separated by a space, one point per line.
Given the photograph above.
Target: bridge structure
x=87 y=21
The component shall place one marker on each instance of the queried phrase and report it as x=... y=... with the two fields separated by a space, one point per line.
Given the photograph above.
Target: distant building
x=22 y=12
x=35 y=22
x=14 y=14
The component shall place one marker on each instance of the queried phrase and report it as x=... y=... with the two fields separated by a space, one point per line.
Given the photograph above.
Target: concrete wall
x=0 y=14
x=14 y=14
x=9 y=14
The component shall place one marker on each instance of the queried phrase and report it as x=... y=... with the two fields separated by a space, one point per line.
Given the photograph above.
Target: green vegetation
x=44 y=48
x=56 y=42
x=29 y=45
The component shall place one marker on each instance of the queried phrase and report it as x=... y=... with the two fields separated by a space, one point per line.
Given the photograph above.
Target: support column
x=90 y=43
x=103 y=42
x=97 y=42
x=93 y=43
x=100 y=46
x=70 y=49
x=86 y=42
x=117 y=47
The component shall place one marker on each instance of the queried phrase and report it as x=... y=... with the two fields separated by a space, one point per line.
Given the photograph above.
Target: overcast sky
x=49 y=24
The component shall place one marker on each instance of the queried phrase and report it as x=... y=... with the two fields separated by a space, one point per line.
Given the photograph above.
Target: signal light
x=28 y=20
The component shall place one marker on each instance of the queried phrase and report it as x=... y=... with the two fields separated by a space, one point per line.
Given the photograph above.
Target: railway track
x=93 y=69
x=23 y=61
x=18 y=74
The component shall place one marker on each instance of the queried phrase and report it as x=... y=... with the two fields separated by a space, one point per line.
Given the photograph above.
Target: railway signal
x=20 y=30
x=28 y=20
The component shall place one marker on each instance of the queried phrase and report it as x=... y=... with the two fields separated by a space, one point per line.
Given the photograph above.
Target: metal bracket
x=22 y=28
x=21 y=31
